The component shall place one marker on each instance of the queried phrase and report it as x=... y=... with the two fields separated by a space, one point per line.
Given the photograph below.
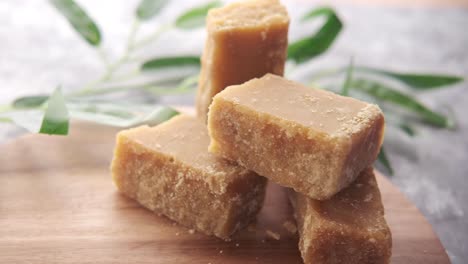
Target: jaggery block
x=246 y=39
x=169 y=170
x=314 y=141
x=349 y=228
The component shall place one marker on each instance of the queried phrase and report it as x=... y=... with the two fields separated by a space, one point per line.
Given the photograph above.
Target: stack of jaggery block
x=209 y=172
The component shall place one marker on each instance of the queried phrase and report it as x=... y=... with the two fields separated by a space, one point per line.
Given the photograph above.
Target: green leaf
x=195 y=17
x=120 y=115
x=407 y=129
x=417 y=81
x=29 y=119
x=149 y=8
x=385 y=93
x=394 y=119
x=169 y=62
x=28 y=102
x=382 y=158
x=79 y=20
x=311 y=46
x=349 y=77
x=55 y=120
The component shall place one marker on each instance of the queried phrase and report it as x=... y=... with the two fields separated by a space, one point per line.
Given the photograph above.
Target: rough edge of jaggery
x=231 y=219
x=210 y=178
x=374 y=127
x=253 y=203
x=368 y=121
x=335 y=229
x=214 y=146
x=254 y=14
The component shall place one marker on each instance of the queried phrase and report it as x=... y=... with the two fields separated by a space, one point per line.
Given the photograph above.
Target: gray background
x=38 y=51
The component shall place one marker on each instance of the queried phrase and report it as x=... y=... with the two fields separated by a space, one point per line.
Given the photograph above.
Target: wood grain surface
x=58 y=205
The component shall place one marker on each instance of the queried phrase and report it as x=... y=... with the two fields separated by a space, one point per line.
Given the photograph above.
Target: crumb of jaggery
x=273 y=235
x=191 y=231
x=290 y=226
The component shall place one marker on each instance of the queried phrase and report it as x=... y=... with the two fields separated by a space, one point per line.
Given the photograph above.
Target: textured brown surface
x=59 y=205
x=168 y=170
x=314 y=141
x=348 y=228
x=245 y=40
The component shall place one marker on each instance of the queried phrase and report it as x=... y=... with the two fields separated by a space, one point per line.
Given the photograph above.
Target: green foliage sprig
x=50 y=114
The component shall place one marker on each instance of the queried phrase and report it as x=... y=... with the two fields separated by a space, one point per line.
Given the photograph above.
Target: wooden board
x=58 y=205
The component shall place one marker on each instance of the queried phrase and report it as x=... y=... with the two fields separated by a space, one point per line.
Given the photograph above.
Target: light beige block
x=246 y=39
x=314 y=141
x=168 y=170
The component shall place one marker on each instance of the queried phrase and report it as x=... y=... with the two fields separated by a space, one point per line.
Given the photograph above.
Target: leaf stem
x=111 y=68
x=155 y=87
x=116 y=88
x=348 y=78
x=103 y=56
x=5 y=120
x=131 y=37
x=5 y=108
x=127 y=76
x=152 y=37
x=129 y=47
x=100 y=91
